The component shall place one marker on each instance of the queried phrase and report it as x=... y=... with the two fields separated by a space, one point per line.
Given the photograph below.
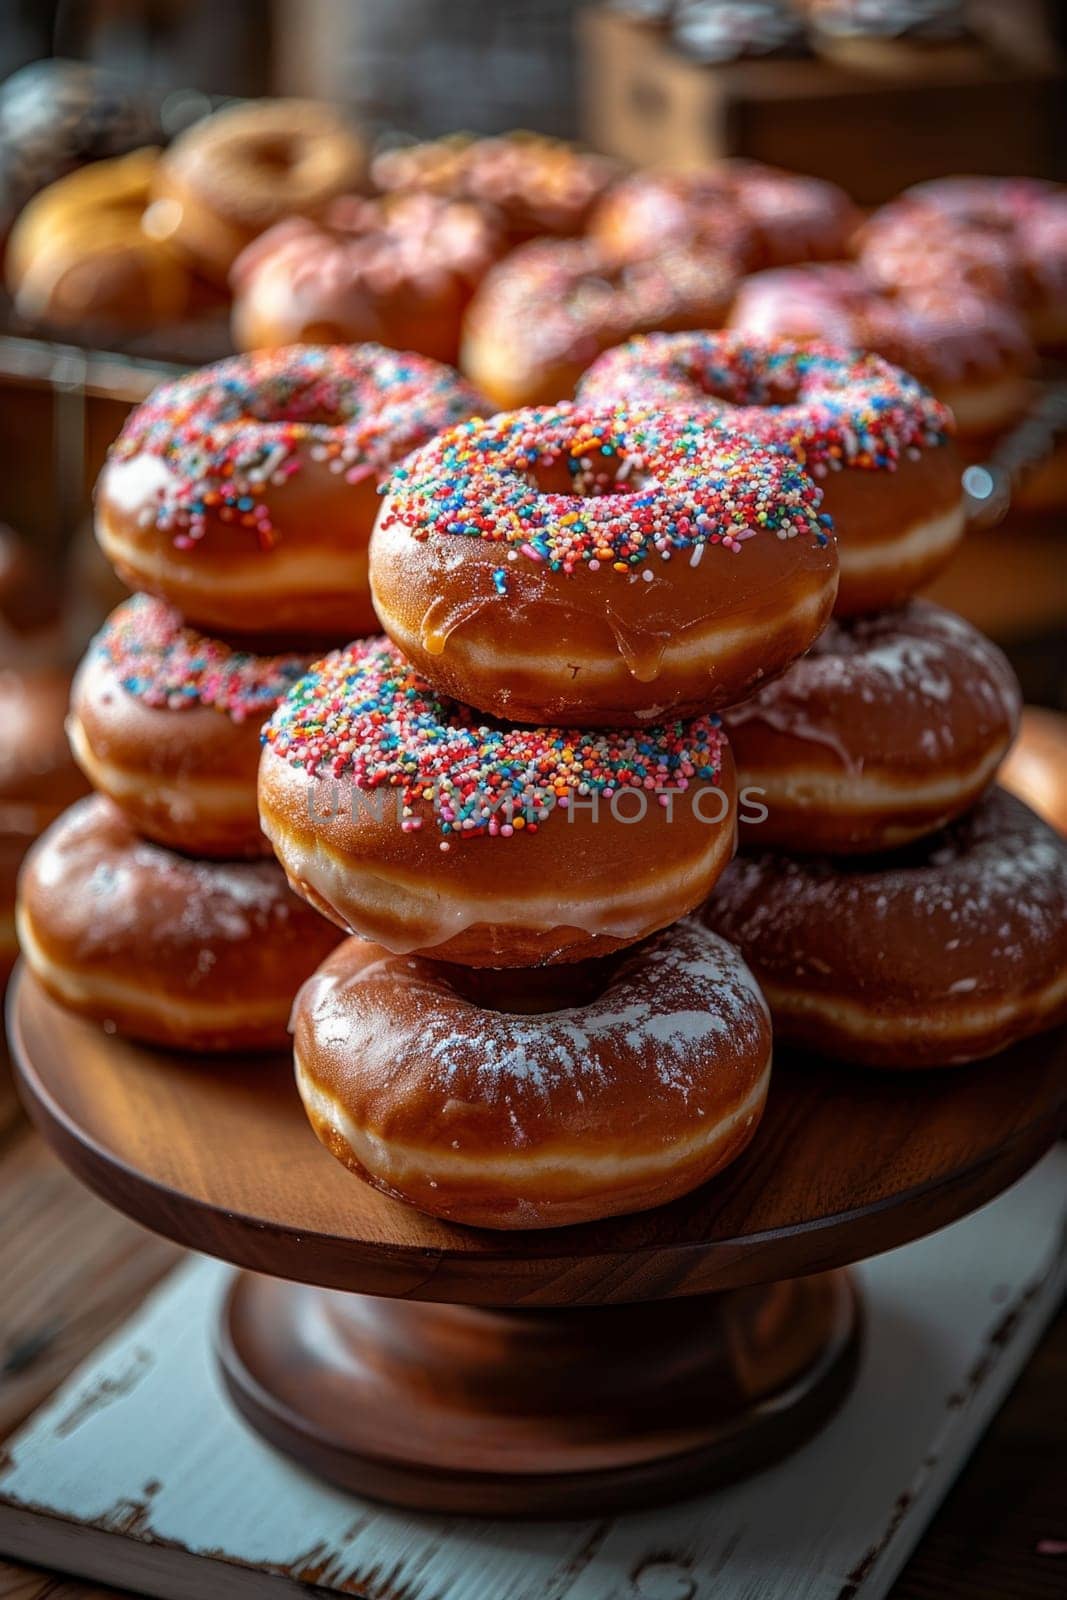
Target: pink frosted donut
x=874 y=439
x=974 y=352
x=759 y=215
x=1003 y=236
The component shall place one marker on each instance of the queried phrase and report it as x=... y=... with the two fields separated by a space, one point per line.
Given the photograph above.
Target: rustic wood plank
x=80 y=1269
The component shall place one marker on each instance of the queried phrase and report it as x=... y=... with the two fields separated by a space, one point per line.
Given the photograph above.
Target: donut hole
x=532 y=991
x=276 y=153
x=772 y=389
x=593 y=476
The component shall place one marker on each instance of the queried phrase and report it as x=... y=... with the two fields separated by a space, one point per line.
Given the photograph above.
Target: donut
x=410 y=820
x=80 y=253
x=644 y=1075
x=938 y=954
x=166 y=723
x=888 y=728
x=399 y=271
x=55 y=116
x=757 y=215
x=972 y=351
x=1006 y=237
x=232 y=175
x=544 y=312
x=599 y=567
x=37 y=778
x=195 y=955
x=890 y=36
x=533 y=184
x=245 y=493
x=740 y=30
x=875 y=440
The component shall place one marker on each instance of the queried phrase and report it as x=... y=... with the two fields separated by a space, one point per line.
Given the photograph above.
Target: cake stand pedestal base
x=568 y=1412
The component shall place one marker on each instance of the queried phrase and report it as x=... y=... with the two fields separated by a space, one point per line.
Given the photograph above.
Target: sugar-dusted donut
x=647 y=1075
x=230 y=176
x=544 y=312
x=166 y=722
x=245 y=493
x=400 y=271
x=941 y=953
x=198 y=955
x=888 y=728
x=598 y=566
x=1007 y=237
x=37 y=778
x=874 y=439
x=411 y=821
x=532 y=184
x=973 y=351
x=759 y=216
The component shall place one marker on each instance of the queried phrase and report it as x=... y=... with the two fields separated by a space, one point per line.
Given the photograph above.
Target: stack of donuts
x=237 y=503
x=898 y=910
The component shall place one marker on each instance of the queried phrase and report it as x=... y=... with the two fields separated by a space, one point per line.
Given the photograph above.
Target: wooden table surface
x=73 y=1269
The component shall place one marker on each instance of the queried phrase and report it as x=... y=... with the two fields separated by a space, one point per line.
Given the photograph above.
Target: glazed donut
x=196 y=955
x=890 y=36
x=245 y=493
x=166 y=723
x=1006 y=237
x=599 y=567
x=398 y=271
x=408 y=820
x=889 y=727
x=760 y=216
x=973 y=352
x=37 y=779
x=57 y=115
x=873 y=438
x=647 y=1075
x=943 y=953
x=232 y=175
x=543 y=314
x=534 y=185
x=80 y=253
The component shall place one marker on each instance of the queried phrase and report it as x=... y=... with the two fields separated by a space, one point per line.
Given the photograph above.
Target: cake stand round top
x=217 y=1153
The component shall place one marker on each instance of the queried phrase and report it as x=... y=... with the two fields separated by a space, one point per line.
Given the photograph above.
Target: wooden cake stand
x=556 y=1372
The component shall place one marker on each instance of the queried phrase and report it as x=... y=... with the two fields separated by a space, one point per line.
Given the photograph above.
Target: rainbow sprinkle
x=230 y=432
x=643 y=485
x=365 y=714
x=171 y=667
x=828 y=408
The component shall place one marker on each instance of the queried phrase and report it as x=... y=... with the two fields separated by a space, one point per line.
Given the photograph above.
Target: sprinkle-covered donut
x=197 y=955
x=648 y=1075
x=232 y=175
x=944 y=952
x=400 y=271
x=875 y=440
x=545 y=311
x=973 y=351
x=1006 y=237
x=166 y=721
x=245 y=493
x=410 y=820
x=598 y=566
x=888 y=728
x=534 y=185
x=758 y=216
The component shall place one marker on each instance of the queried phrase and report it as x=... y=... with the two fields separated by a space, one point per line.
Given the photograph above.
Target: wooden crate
x=644 y=101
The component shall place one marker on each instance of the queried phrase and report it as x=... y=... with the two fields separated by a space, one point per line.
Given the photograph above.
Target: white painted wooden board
x=137 y=1471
